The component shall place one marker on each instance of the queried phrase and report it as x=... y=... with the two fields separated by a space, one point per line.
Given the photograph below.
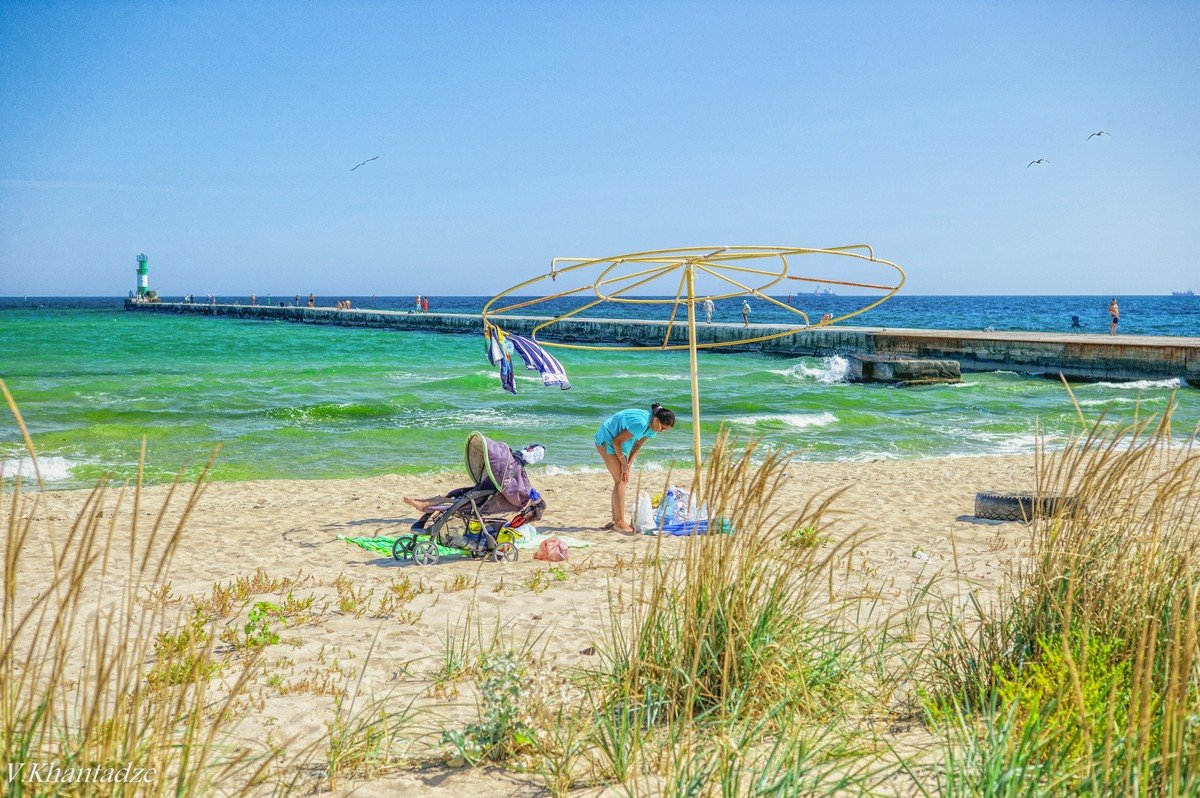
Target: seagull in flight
x=1039 y=160
x=1099 y=133
x=366 y=161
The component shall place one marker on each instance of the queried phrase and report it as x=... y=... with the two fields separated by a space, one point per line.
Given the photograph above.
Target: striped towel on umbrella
x=538 y=359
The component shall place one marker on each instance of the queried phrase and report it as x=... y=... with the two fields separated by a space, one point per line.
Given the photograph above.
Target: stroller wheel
x=425 y=552
x=402 y=549
x=505 y=552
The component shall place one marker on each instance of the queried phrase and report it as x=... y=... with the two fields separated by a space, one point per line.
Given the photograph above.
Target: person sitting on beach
x=618 y=442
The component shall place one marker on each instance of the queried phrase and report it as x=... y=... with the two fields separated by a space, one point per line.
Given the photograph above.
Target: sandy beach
x=914 y=519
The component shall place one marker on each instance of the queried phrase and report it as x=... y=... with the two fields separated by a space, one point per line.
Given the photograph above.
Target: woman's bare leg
x=618 y=491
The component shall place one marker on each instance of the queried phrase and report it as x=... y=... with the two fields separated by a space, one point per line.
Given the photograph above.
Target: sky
x=218 y=139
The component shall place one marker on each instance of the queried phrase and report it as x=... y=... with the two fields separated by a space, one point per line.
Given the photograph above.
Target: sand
x=915 y=516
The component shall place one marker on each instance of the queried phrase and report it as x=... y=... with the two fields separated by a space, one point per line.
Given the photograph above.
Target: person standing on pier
x=424 y=304
x=1114 y=312
x=312 y=301
x=745 y=313
x=708 y=310
x=418 y=303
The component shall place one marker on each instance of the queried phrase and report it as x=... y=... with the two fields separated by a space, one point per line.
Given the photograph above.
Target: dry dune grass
x=92 y=686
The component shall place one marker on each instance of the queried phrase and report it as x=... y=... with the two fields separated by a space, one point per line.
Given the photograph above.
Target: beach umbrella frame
x=734 y=266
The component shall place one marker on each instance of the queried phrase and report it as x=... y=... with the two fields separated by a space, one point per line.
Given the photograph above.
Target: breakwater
x=1082 y=357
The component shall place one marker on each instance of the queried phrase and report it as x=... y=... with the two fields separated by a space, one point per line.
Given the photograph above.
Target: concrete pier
x=1080 y=357
x=903 y=371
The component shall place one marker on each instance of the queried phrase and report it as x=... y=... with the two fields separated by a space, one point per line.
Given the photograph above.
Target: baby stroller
x=476 y=520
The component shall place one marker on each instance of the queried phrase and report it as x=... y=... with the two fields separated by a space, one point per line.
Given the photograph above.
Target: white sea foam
x=832 y=369
x=653 y=376
x=798 y=420
x=1142 y=385
x=556 y=471
x=1121 y=400
x=54 y=469
x=867 y=457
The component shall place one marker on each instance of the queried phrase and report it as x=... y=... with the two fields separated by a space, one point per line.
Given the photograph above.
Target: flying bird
x=1099 y=133
x=1039 y=160
x=366 y=161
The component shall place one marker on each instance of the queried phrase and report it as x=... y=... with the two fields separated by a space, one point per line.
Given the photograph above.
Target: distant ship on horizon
x=1188 y=292
x=822 y=291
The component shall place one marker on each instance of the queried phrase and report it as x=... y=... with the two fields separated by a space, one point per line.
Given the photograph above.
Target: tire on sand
x=1019 y=506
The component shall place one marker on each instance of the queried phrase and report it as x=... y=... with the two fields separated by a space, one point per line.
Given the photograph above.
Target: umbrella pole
x=698 y=477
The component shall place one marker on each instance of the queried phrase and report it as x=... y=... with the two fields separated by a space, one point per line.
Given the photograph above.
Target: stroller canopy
x=493 y=464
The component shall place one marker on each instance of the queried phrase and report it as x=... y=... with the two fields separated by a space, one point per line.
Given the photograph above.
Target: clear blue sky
x=218 y=139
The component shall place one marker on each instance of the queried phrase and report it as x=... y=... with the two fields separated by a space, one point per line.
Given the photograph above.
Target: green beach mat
x=383 y=545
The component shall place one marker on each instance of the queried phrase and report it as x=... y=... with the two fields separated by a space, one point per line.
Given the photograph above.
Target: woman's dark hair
x=664 y=416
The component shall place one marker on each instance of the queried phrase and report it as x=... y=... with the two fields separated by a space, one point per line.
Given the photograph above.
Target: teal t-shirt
x=636 y=422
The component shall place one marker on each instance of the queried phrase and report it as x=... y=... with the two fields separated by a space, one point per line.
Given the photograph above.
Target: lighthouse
x=143 y=277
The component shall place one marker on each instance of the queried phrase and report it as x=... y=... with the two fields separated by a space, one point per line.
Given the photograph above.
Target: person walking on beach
x=708 y=310
x=745 y=313
x=618 y=442
x=1114 y=312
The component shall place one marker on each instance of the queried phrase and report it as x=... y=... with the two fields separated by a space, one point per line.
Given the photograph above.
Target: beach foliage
x=258 y=629
x=1085 y=677
x=365 y=739
x=502 y=731
x=74 y=686
x=720 y=674
x=728 y=630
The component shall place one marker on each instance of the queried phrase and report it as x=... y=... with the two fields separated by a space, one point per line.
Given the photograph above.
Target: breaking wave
x=832 y=369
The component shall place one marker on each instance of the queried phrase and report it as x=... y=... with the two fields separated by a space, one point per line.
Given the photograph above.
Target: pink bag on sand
x=551 y=550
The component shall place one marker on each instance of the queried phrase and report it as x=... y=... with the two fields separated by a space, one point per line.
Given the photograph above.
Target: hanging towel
x=499 y=352
x=538 y=359
x=495 y=352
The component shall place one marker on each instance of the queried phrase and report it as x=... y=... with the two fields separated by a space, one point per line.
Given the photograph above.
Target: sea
x=291 y=401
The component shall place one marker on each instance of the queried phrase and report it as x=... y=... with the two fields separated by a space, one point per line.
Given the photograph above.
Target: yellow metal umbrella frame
x=767 y=266
x=714 y=261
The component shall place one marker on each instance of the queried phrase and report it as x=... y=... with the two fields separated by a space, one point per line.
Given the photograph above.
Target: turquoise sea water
x=298 y=401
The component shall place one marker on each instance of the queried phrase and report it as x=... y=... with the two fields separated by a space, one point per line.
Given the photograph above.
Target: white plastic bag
x=643 y=513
